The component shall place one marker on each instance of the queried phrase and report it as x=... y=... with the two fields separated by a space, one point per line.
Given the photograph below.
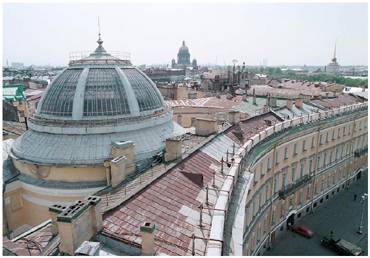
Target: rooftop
x=38 y=241
x=172 y=202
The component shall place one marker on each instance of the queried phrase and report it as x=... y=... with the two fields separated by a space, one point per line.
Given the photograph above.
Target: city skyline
x=287 y=34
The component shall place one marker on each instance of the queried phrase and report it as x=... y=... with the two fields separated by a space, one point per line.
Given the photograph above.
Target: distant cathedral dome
x=183 y=56
x=183 y=48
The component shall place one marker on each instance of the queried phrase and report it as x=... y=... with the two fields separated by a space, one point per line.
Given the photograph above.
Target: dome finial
x=183 y=43
x=100 y=41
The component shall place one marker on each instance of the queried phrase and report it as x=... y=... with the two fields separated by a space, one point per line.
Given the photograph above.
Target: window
x=267 y=193
x=302 y=168
x=276 y=180
x=268 y=164
x=338 y=132
x=333 y=135
x=304 y=145
x=318 y=161
x=344 y=131
x=324 y=162
x=273 y=217
x=322 y=184
x=254 y=207
x=310 y=167
x=321 y=139
x=283 y=182
x=276 y=157
x=299 y=198
x=255 y=175
x=295 y=149
x=291 y=202
x=262 y=170
x=308 y=192
x=259 y=201
x=313 y=142
x=286 y=152
x=294 y=168
x=327 y=137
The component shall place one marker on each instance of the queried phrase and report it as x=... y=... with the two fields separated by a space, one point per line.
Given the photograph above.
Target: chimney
x=299 y=102
x=54 y=211
x=173 y=149
x=254 y=97
x=125 y=148
x=205 y=126
x=118 y=170
x=77 y=223
x=234 y=117
x=147 y=239
x=289 y=104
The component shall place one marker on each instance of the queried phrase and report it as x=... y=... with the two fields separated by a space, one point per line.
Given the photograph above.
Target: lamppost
x=363 y=201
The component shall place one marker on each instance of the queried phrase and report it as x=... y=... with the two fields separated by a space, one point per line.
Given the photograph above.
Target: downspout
x=315 y=169
x=108 y=173
x=272 y=195
x=7 y=230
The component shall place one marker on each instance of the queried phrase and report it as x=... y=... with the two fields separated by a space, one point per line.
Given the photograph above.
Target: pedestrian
x=354 y=197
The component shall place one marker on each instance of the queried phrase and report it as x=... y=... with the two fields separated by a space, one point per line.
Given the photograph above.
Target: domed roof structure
x=100 y=86
x=94 y=102
x=183 y=47
x=183 y=56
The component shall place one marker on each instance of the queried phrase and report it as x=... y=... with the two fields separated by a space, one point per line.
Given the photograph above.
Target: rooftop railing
x=215 y=246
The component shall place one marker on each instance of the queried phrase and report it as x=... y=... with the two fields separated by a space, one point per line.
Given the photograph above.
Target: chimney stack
x=299 y=102
x=254 y=97
x=289 y=104
x=147 y=239
x=173 y=149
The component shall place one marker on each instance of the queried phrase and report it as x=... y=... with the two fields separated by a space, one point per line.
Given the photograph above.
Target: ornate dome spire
x=99 y=50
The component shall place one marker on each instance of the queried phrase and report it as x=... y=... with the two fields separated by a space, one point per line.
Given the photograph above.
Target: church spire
x=334 y=60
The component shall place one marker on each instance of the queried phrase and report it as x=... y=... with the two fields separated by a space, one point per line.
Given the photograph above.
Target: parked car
x=302 y=230
x=341 y=246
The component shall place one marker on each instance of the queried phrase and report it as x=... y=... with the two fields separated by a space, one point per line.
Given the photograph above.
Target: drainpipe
x=272 y=195
x=108 y=173
x=4 y=213
x=315 y=169
x=352 y=144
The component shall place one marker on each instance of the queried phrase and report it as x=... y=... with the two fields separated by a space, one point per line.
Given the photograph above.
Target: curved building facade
x=100 y=109
x=285 y=172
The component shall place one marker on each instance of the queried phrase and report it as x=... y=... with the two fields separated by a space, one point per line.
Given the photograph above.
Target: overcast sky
x=283 y=34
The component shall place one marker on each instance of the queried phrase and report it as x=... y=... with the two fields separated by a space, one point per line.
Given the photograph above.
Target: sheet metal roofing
x=172 y=201
x=33 y=243
x=340 y=100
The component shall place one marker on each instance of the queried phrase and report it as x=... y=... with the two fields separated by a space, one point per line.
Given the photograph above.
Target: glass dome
x=99 y=86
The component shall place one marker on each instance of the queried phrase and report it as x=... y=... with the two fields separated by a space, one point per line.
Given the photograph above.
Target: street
x=341 y=214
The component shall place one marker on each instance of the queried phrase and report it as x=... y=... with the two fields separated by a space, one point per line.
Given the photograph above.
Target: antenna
x=100 y=42
x=99 y=26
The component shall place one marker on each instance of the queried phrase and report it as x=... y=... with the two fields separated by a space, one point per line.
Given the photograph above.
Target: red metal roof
x=160 y=203
x=340 y=100
x=171 y=201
